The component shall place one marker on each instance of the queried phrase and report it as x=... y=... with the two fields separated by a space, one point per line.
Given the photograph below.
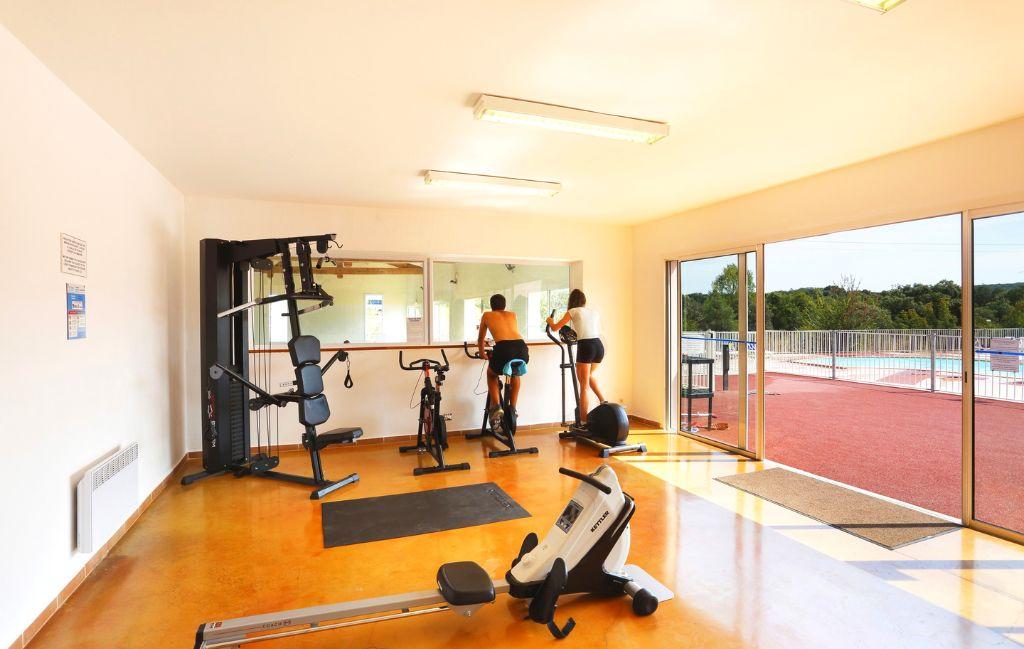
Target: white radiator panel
x=107 y=496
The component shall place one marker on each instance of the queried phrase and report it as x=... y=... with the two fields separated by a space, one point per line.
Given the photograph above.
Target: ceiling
x=349 y=102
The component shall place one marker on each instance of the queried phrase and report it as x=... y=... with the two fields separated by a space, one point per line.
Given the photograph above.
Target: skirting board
x=388 y=439
x=394 y=439
x=33 y=629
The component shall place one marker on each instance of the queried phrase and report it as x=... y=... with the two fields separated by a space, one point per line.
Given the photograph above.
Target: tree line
x=847 y=306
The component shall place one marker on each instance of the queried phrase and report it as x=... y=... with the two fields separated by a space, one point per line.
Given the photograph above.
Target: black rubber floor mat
x=348 y=522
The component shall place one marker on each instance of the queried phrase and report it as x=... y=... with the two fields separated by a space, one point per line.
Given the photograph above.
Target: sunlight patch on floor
x=976 y=576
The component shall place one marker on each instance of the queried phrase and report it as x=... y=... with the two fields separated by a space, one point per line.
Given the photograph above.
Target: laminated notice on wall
x=76 y=311
x=73 y=259
x=415 y=332
x=1010 y=359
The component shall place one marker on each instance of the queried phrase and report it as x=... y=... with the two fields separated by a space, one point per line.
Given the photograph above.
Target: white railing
x=923 y=359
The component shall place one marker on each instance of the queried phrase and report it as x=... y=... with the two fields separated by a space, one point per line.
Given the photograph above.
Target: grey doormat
x=347 y=522
x=873 y=519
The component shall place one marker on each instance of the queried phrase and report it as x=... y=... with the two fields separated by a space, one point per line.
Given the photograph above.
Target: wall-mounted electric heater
x=107 y=496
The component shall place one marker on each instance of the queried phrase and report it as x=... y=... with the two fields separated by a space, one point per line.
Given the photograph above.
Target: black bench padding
x=309 y=380
x=314 y=411
x=465 y=583
x=304 y=349
x=338 y=436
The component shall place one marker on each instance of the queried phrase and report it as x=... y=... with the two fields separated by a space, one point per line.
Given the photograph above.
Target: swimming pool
x=952 y=365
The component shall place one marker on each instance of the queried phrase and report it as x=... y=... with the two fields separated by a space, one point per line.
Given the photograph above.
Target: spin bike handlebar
x=475 y=355
x=424 y=363
x=590 y=480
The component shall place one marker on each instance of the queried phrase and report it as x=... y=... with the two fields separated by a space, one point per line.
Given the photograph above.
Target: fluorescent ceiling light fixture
x=572 y=120
x=879 y=5
x=491 y=184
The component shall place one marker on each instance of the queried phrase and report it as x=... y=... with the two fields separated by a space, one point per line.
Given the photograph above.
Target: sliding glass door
x=865 y=373
x=716 y=370
x=995 y=419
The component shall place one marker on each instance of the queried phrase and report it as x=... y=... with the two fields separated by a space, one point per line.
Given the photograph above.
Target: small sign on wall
x=73 y=255
x=76 y=311
x=1009 y=360
x=415 y=332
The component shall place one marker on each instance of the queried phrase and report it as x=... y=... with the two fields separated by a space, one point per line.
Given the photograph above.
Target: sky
x=925 y=251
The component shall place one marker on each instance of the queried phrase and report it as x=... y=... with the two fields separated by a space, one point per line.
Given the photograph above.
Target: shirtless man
x=508 y=345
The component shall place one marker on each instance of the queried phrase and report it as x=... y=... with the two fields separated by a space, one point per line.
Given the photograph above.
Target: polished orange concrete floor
x=746 y=573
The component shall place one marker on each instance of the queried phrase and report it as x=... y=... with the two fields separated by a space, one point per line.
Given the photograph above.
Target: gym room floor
x=745 y=572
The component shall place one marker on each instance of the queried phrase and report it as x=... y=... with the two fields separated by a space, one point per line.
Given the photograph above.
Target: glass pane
x=709 y=376
x=751 y=351
x=862 y=365
x=462 y=291
x=998 y=300
x=374 y=301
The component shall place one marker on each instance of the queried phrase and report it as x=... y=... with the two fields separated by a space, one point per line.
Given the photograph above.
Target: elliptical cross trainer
x=607 y=425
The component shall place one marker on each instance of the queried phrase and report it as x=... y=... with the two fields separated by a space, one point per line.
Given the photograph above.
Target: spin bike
x=507 y=433
x=432 y=434
x=584 y=552
x=607 y=425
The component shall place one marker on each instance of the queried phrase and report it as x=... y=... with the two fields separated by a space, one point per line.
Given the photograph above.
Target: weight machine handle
x=218 y=370
x=341 y=355
x=590 y=480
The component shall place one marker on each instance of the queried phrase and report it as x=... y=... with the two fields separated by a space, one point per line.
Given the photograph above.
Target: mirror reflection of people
x=508 y=346
x=586 y=322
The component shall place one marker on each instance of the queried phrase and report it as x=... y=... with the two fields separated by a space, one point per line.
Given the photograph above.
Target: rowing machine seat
x=465 y=583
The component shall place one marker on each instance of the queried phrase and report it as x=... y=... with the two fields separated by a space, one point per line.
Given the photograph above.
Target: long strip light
x=879 y=5
x=492 y=184
x=572 y=120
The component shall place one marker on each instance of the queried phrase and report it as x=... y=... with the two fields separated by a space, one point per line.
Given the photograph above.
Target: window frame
x=571 y=266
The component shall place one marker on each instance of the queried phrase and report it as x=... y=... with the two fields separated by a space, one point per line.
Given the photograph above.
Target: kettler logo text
x=599 y=521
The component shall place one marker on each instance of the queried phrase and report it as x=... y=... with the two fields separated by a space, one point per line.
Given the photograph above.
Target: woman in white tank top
x=589 y=348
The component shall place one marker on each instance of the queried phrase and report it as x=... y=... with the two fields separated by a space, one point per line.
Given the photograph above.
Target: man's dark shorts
x=505 y=351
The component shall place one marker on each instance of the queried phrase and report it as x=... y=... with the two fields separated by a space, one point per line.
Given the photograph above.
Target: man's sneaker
x=496 y=416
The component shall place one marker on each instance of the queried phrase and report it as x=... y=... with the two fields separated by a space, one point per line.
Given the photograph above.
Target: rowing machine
x=583 y=552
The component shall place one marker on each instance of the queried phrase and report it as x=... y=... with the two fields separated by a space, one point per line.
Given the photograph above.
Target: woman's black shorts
x=590 y=350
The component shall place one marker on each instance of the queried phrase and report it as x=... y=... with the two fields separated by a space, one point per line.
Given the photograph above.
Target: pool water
x=904 y=363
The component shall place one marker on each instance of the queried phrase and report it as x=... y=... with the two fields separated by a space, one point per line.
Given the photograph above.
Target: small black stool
x=689 y=392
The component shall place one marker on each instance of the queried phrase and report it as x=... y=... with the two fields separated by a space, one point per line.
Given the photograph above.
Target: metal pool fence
x=922 y=359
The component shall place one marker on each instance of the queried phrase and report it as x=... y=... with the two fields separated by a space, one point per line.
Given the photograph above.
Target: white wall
x=977 y=169
x=69 y=403
x=379 y=402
